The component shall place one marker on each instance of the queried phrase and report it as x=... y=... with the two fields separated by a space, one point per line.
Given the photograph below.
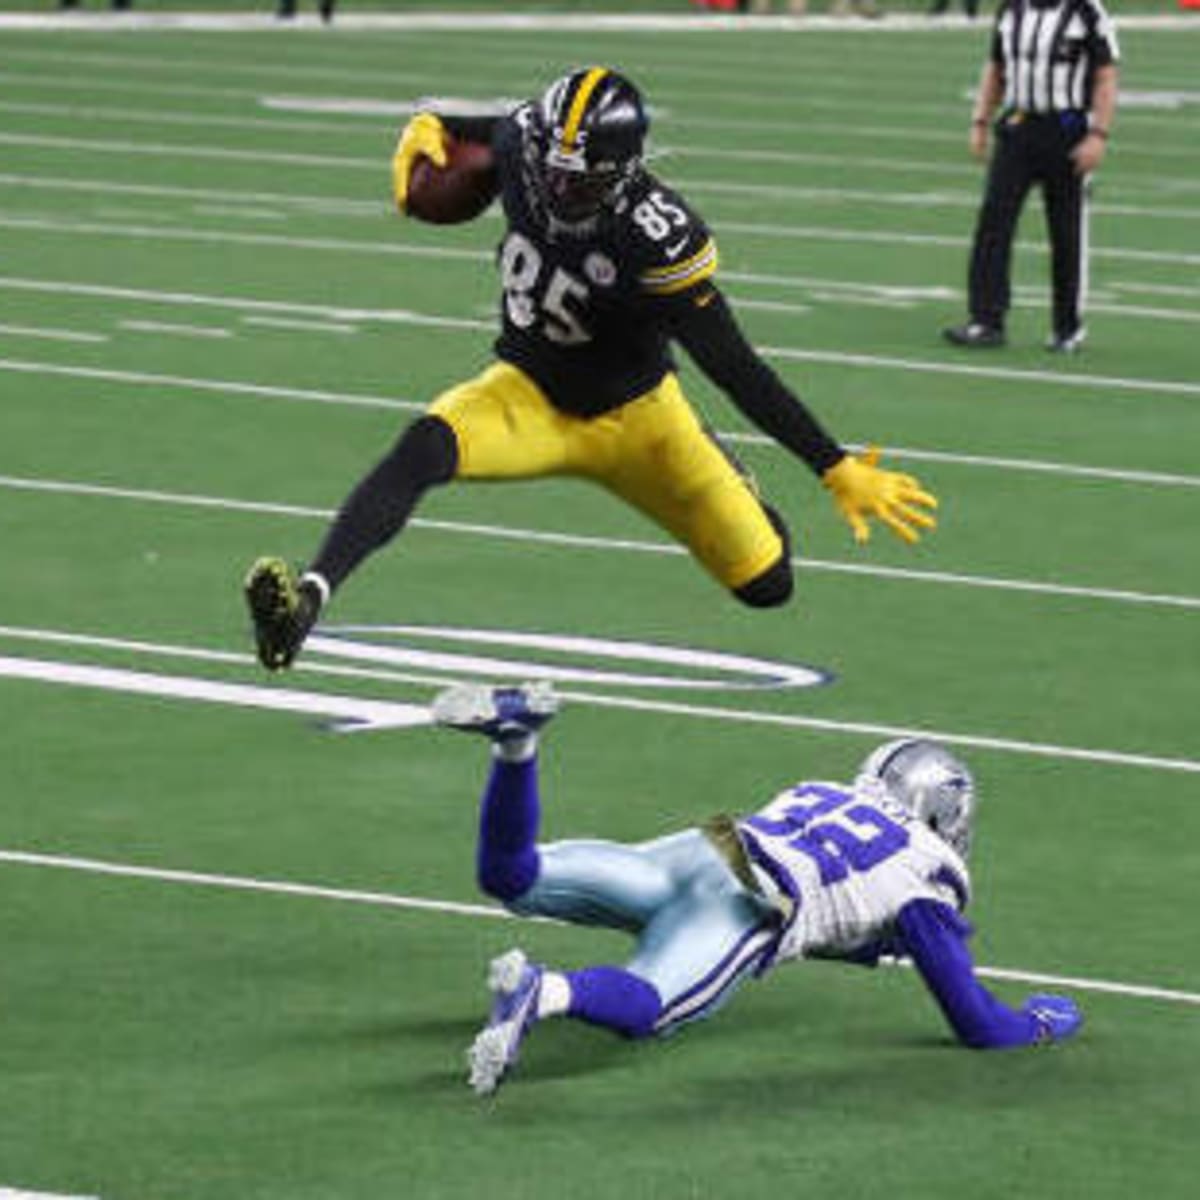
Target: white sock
x=320 y=583
x=555 y=996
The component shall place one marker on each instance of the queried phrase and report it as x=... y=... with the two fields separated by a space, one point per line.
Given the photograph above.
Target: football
x=457 y=192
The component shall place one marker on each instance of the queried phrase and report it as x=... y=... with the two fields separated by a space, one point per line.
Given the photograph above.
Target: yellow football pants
x=652 y=452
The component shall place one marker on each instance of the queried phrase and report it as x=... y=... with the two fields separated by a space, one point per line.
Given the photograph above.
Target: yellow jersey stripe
x=674 y=268
x=579 y=105
x=663 y=281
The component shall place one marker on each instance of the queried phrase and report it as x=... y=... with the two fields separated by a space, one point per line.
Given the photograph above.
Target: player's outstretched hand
x=1057 y=1017
x=423 y=137
x=861 y=489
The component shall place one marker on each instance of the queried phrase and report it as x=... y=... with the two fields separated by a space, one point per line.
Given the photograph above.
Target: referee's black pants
x=1032 y=149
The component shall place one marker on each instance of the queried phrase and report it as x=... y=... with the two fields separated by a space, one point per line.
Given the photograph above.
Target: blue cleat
x=1057 y=1017
x=515 y=984
x=501 y=713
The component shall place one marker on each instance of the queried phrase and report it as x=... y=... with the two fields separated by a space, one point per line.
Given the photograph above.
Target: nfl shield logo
x=600 y=269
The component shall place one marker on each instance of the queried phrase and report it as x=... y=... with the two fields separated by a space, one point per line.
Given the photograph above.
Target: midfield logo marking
x=384 y=654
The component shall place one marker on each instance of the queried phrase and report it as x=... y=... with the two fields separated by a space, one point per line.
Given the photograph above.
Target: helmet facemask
x=576 y=194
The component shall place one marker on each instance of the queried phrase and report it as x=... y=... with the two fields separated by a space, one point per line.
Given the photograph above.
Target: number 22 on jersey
x=840 y=834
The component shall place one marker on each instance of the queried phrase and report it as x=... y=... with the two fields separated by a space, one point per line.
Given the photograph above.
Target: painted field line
x=279 y=887
x=591 y=542
x=451 y=22
x=349 y=712
x=431 y=320
x=922 y=199
x=933 y=367
x=223 y=237
x=397 y=316
x=12 y=1193
x=359 y=400
x=1033 y=465
x=177 y=330
x=373 y=209
x=815 y=233
x=294 y=323
x=1115 y=758
x=240 y=883
x=1177 y=122
x=827 y=233
x=53 y=335
x=315 y=204
x=367 y=714
x=225 y=386
x=218 y=153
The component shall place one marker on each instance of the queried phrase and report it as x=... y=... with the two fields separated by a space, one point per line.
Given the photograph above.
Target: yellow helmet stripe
x=579 y=106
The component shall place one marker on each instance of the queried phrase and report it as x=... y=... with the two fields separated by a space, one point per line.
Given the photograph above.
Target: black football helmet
x=588 y=131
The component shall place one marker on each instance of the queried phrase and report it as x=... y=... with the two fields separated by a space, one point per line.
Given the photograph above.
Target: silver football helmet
x=924 y=778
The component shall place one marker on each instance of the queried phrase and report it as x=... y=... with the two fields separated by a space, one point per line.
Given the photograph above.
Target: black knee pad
x=427 y=451
x=770 y=589
x=773 y=586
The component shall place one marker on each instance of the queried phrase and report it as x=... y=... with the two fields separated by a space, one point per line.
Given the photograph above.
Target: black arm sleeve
x=705 y=327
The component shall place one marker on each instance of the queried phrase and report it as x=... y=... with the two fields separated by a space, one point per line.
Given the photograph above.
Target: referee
x=1052 y=73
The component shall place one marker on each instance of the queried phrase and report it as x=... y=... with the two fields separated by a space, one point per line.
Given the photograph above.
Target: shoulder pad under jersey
x=672 y=245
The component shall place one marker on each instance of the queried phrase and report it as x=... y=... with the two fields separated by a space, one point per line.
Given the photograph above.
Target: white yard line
x=12 y=1193
x=905 y=167
x=887 y=362
x=305 y=326
x=357 y=400
x=382 y=714
x=326 y=205
x=53 y=335
x=461 y=22
x=394 y=900
x=167 y=327
x=345 y=712
x=377 y=247
x=925 y=198
x=825 y=233
x=227 y=386
x=972 y=369
x=399 y=316
x=625 y=545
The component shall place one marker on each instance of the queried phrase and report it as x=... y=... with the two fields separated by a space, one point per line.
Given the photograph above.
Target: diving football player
x=824 y=870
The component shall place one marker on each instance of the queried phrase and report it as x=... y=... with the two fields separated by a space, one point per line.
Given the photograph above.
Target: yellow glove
x=861 y=490
x=423 y=137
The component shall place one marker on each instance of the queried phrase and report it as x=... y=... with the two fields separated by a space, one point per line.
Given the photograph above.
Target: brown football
x=457 y=192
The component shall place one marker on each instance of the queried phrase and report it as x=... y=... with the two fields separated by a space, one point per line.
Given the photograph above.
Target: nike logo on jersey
x=673 y=251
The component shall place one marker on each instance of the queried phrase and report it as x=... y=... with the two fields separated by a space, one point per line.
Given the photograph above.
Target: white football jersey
x=840 y=863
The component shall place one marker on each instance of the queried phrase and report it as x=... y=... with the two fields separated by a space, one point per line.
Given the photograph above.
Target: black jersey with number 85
x=585 y=315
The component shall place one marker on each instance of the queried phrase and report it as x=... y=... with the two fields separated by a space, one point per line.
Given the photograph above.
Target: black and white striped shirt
x=1049 y=50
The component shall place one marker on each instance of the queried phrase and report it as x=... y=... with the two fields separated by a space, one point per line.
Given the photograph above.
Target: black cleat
x=283 y=611
x=975 y=336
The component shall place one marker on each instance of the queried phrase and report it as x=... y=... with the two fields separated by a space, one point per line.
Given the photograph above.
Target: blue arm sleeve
x=935 y=936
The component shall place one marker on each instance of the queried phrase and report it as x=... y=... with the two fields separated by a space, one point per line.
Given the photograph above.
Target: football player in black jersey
x=602 y=266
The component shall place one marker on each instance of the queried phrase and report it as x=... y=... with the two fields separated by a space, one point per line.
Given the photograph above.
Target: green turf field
x=210 y=323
